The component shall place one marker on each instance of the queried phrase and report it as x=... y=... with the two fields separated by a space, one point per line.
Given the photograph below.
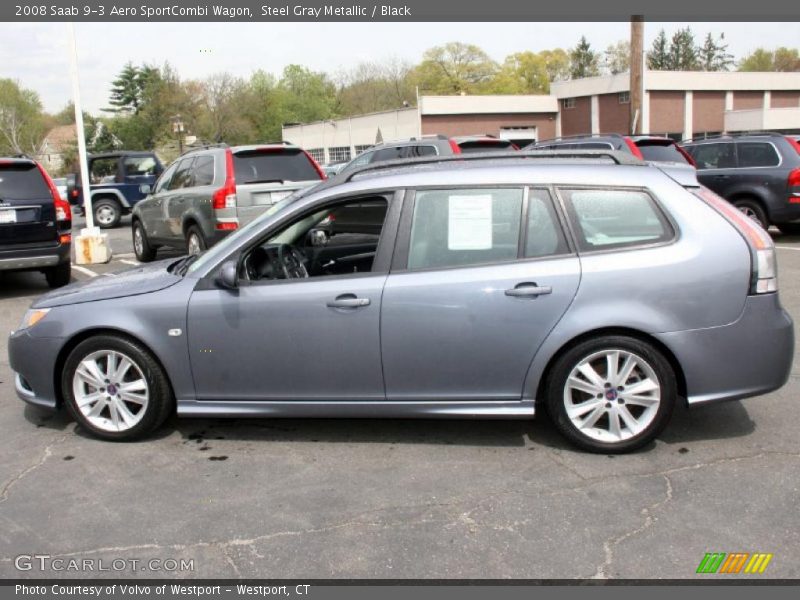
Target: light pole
x=177 y=129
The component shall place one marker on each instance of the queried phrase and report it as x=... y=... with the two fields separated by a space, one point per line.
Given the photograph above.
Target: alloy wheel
x=105 y=215
x=612 y=395
x=194 y=246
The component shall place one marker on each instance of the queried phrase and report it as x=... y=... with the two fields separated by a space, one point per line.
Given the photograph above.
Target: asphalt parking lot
x=399 y=499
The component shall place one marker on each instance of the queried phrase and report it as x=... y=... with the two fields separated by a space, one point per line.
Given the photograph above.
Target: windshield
x=224 y=247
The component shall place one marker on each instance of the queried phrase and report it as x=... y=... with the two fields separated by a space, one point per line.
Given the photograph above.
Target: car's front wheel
x=611 y=394
x=115 y=388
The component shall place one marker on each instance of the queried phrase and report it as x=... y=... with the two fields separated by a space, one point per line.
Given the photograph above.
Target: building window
x=362 y=148
x=568 y=103
x=318 y=154
x=339 y=154
x=624 y=97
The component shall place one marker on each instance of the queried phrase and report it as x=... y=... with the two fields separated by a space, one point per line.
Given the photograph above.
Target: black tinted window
x=103 y=170
x=714 y=156
x=137 y=166
x=273 y=166
x=757 y=154
x=485 y=146
x=415 y=151
x=662 y=153
x=183 y=176
x=23 y=182
x=389 y=153
x=616 y=218
x=203 y=170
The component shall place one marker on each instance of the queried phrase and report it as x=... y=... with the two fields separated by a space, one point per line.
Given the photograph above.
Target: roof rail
x=620 y=158
x=581 y=136
x=204 y=147
x=736 y=134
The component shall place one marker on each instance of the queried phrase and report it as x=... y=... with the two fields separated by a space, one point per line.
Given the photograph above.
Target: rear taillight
x=686 y=155
x=455 y=147
x=764 y=267
x=633 y=148
x=793 y=183
x=319 y=170
x=225 y=197
x=63 y=211
x=793 y=143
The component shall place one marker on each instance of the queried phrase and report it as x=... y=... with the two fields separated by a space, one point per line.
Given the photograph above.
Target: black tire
x=161 y=402
x=107 y=212
x=141 y=248
x=754 y=210
x=58 y=276
x=195 y=232
x=556 y=394
x=789 y=228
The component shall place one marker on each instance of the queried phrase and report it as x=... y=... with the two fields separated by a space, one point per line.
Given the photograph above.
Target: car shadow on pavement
x=720 y=420
x=19 y=284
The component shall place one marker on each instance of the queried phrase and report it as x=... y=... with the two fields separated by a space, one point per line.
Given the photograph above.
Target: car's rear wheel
x=107 y=212
x=115 y=388
x=141 y=245
x=195 y=241
x=754 y=210
x=58 y=276
x=611 y=394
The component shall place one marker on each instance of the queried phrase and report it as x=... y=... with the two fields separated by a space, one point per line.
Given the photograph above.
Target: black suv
x=430 y=145
x=759 y=173
x=652 y=148
x=35 y=222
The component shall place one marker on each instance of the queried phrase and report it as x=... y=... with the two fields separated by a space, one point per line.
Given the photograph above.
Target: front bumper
x=749 y=357
x=33 y=361
x=34 y=258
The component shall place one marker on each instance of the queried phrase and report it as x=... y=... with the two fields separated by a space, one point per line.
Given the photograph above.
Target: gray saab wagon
x=586 y=283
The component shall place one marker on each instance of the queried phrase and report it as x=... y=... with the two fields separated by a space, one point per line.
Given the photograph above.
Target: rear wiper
x=263 y=181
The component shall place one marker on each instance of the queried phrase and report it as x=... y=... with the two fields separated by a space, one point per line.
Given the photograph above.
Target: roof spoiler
x=684 y=174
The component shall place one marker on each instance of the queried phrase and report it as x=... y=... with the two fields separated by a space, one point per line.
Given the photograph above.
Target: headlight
x=33 y=316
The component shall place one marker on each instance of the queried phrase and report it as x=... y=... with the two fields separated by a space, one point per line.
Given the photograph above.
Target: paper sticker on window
x=469 y=222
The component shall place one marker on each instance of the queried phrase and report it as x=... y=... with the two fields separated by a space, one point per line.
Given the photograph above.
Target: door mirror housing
x=317 y=237
x=145 y=188
x=229 y=276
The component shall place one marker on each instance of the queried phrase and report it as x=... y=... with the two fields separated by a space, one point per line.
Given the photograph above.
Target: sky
x=36 y=54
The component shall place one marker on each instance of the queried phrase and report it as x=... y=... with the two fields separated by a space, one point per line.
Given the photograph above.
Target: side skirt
x=368 y=410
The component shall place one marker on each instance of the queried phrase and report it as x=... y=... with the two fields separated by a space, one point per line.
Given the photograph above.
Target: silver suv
x=592 y=284
x=209 y=192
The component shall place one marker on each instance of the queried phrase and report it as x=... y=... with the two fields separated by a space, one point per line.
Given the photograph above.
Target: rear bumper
x=784 y=212
x=34 y=258
x=750 y=357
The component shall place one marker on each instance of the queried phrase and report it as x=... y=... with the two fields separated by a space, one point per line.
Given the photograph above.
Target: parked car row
x=589 y=283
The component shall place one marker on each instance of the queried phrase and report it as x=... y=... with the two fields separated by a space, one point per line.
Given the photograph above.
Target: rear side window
x=662 y=153
x=417 y=151
x=203 y=171
x=140 y=166
x=461 y=227
x=104 y=170
x=757 y=154
x=273 y=166
x=606 y=219
x=714 y=156
x=392 y=153
x=22 y=182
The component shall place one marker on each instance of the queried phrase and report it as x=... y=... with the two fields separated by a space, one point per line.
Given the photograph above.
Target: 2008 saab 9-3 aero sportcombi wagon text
x=592 y=284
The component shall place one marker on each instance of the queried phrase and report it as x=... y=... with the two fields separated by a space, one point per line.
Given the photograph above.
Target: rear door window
x=459 y=227
x=273 y=166
x=22 y=182
x=757 y=154
x=615 y=218
x=544 y=236
x=714 y=156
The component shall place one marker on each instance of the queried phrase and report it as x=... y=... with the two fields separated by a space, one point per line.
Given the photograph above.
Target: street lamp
x=177 y=129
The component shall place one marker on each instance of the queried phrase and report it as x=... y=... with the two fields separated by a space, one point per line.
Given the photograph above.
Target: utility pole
x=636 y=73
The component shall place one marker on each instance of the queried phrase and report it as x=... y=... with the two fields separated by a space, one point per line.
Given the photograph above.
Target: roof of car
x=728 y=137
x=118 y=153
x=22 y=160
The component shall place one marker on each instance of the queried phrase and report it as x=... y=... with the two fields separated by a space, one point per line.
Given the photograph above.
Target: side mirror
x=145 y=189
x=229 y=276
x=317 y=237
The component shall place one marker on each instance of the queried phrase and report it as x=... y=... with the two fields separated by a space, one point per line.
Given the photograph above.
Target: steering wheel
x=292 y=262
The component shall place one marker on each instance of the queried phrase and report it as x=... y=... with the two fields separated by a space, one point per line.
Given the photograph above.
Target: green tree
x=522 y=73
x=556 y=64
x=584 y=62
x=683 y=52
x=713 y=55
x=780 y=59
x=23 y=124
x=618 y=57
x=129 y=89
x=658 y=55
x=455 y=68
x=374 y=86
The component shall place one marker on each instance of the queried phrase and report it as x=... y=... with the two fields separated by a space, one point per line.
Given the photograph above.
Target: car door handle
x=722 y=176
x=348 y=301
x=529 y=290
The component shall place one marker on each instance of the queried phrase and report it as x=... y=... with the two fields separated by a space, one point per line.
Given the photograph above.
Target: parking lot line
x=85 y=271
x=788 y=248
x=130 y=262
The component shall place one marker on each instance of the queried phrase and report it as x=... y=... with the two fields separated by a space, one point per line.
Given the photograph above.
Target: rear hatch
x=266 y=175
x=27 y=210
x=485 y=145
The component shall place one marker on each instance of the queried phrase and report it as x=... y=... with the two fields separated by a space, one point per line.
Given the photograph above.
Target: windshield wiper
x=180 y=267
